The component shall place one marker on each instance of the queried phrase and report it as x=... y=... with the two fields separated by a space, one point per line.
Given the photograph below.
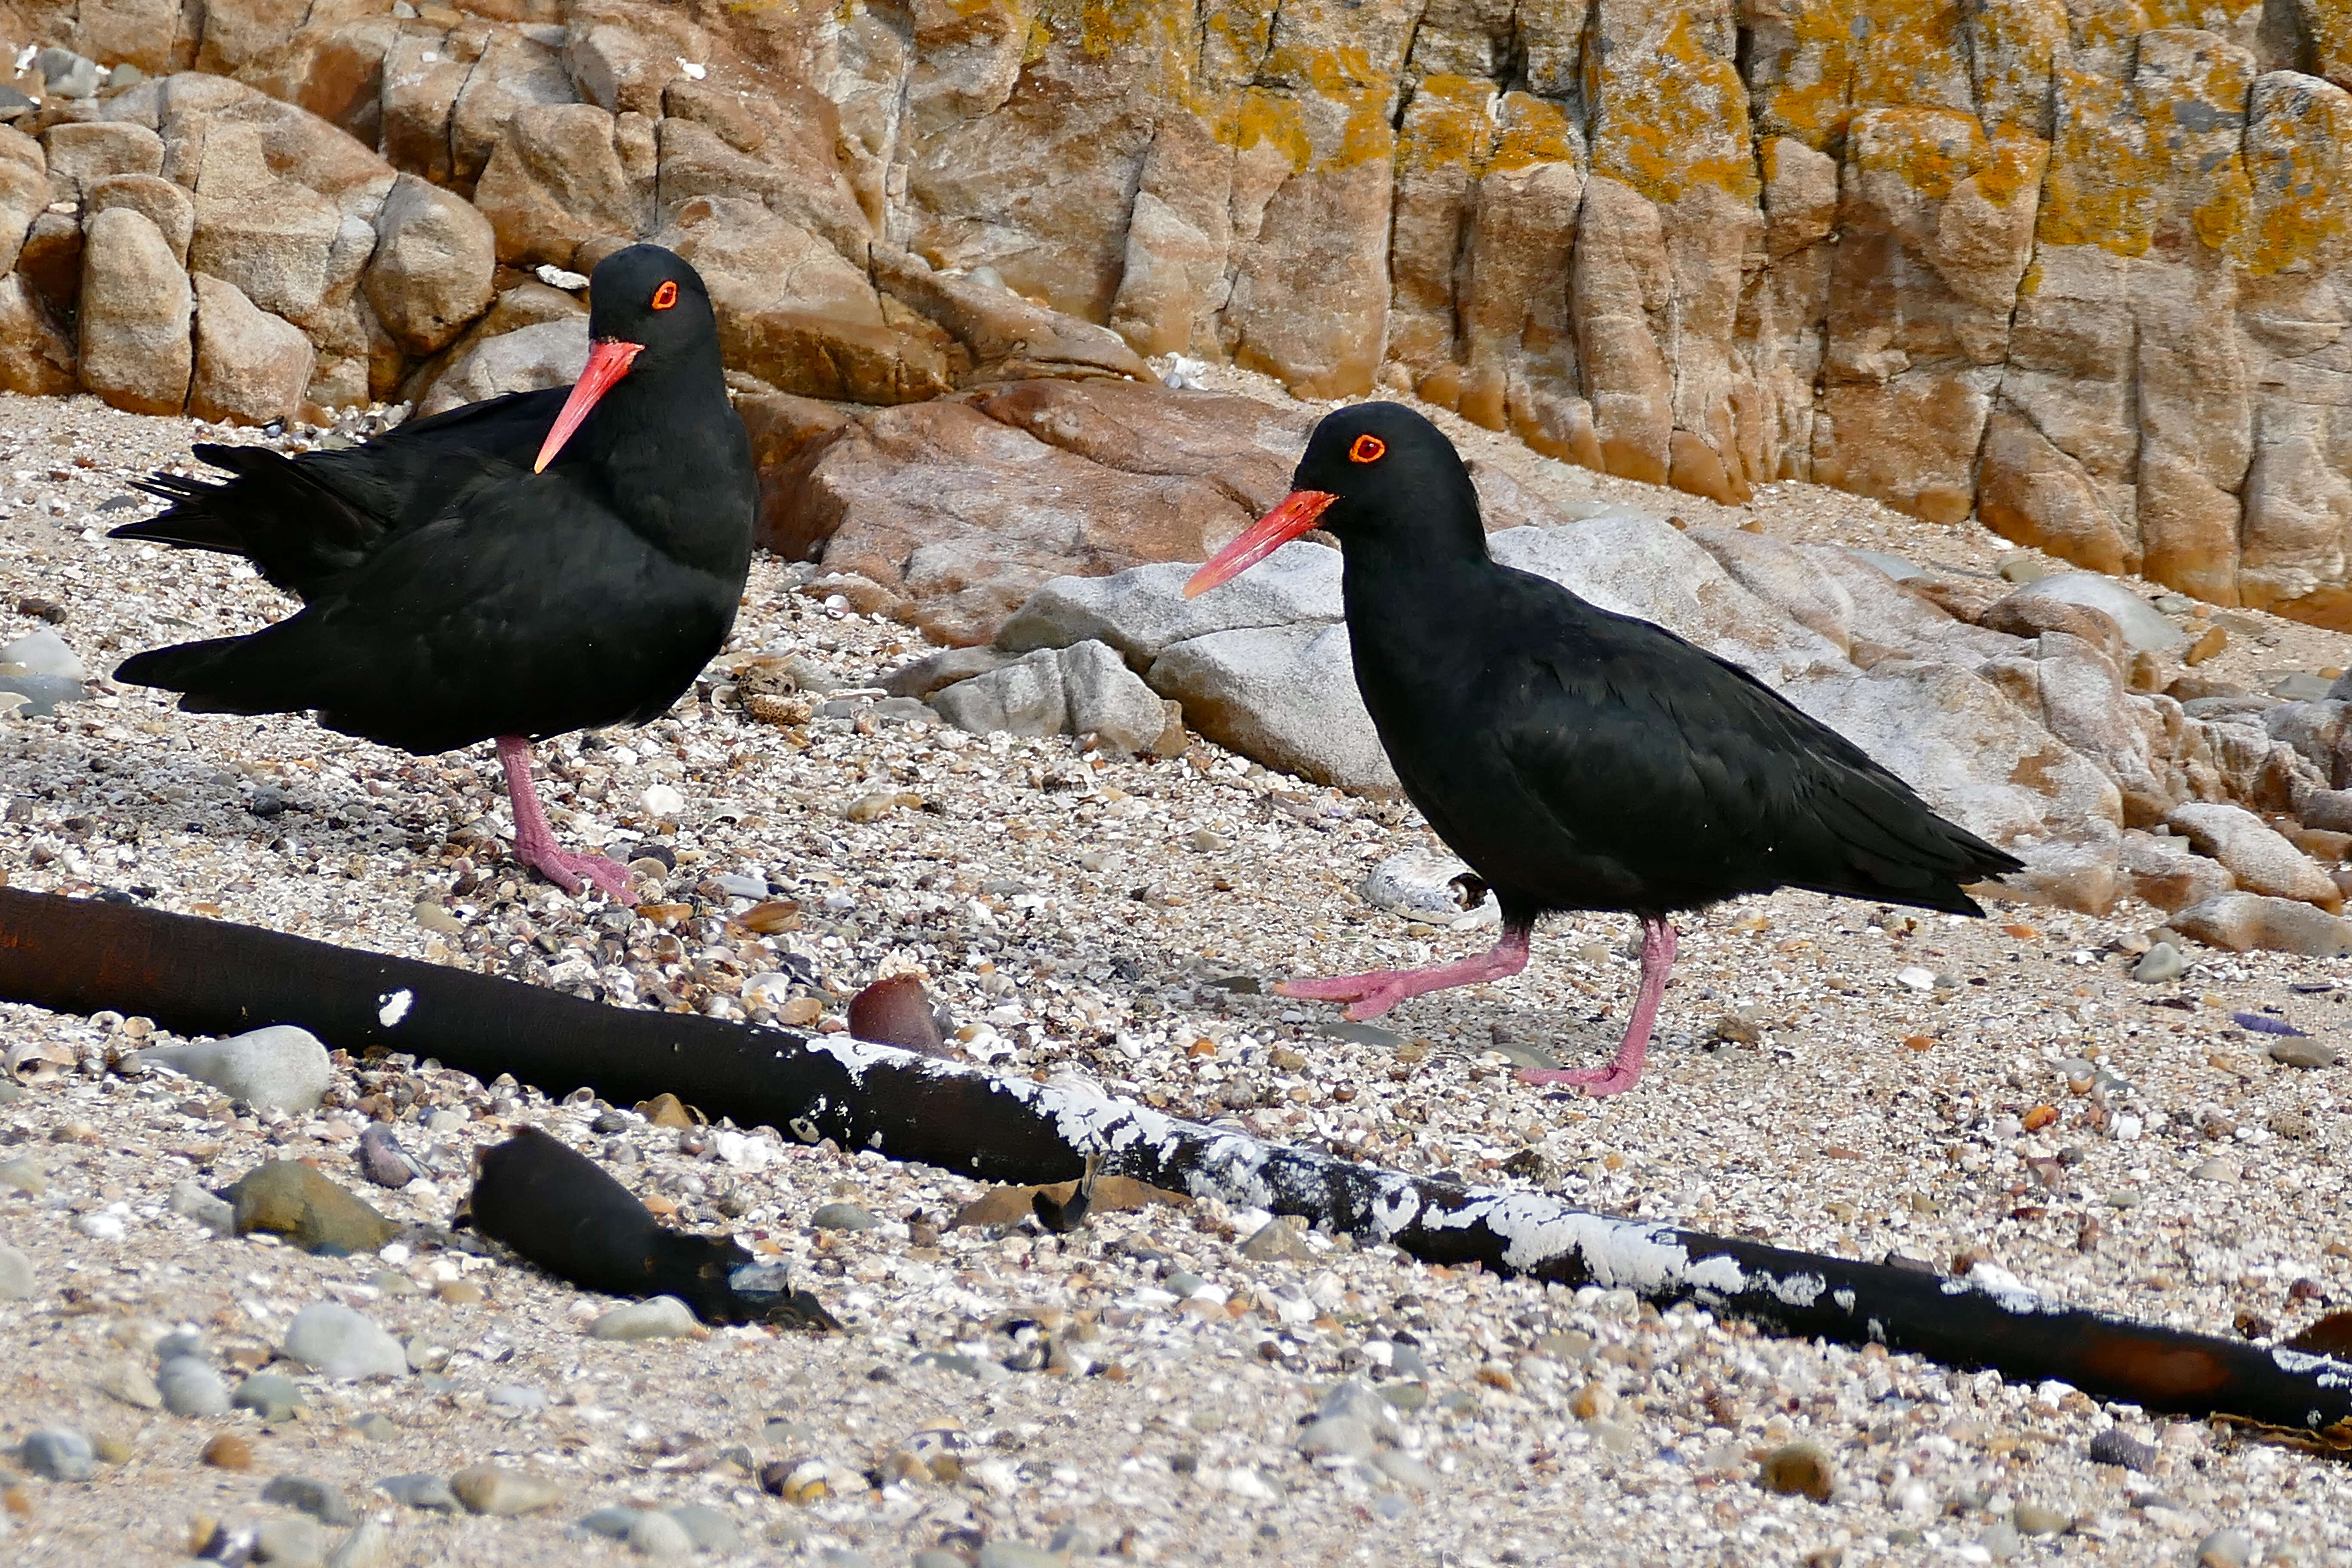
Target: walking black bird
x=1578 y=759
x=510 y=570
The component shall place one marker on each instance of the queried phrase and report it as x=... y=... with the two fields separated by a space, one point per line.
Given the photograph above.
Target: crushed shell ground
x=2031 y=1108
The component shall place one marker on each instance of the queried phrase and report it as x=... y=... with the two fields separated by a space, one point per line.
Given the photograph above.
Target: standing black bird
x=509 y=570
x=1577 y=759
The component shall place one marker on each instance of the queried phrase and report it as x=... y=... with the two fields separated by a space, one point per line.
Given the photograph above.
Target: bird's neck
x=679 y=475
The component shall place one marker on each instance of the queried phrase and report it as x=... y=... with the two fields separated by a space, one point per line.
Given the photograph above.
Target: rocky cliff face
x=2082 y=267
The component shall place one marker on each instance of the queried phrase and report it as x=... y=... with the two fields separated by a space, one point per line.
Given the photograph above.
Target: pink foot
x=568 y=871
x=535 y=844
x=1624 y=1069
x=1598 y=1082
x=1376 y=991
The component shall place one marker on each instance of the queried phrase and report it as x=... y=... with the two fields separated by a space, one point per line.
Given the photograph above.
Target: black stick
x=207 y=976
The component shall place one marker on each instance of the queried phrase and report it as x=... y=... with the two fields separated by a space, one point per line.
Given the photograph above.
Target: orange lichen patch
x=2099 y=189
x=1803 y=62
x=1446 y=125
x=2296 y=149
x=1258 y=116
x=1913 y=54
x=2015 y=47
x=2191 y=90
x=1533 y=130
x=1673 y=116
x=2010 y=164
x=1930 y=150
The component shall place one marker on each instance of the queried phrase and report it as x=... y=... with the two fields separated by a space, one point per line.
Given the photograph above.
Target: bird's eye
x=1367 y=449
x=665 y=296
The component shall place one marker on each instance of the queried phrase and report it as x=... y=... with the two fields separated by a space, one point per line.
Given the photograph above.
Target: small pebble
x=2215 y=1170
x=58 y=1453
x=191 y=1387
x=21 y=1175
x=2226 y=1548
x=376 y=1427
x=2159 y=964
x=496 y=1490
x=271 y=1396
x=843 y=1216
x=1797 y=1469
x=295 y=1542
x=2035 y=1520
x=382 y=1159
x=130 y=1384
x=1280 y=1239
x=611 y=1523
x=1336 y=1437
x=369 y=1546
x=656 y=1318
x=459 y=1292
x=1019 y=1554
x=342 y=1343
x=319 y=1499
x=2002 y=1542
x=16 y=1275
x=428 y=1492
x=227 y=1451
x=712 y=1531
x=214 y=1213
x=518 y=1398
x=659 y=1538
x=1405 y=1470
x=281 y=1068
x=2304 y=1053
x=2117 y=1446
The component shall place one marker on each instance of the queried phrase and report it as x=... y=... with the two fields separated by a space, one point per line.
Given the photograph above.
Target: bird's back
x=1579 y=759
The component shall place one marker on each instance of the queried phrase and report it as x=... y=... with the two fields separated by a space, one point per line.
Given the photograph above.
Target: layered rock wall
x=2083 y=270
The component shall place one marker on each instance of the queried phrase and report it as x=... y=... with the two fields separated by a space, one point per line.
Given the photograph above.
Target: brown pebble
x=459 y=1292
x=229 y=1452
x=664 y=1111
x=800 y=1012
x=16 y=1502
x=896 y=1011
x=111 y=1450
x=1797 y=1469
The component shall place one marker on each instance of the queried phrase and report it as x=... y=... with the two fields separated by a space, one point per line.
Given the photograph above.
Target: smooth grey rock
x=659 y=1538
x=2230 y=1548
x=1337 y=1437
x=2303 y=1053
x=1283 y=695
x=271 y=1396
x=498 y=1491
x=320 y=1500
x=543 y=355
x=2002 y=1542
x=1108 y=700
x=1280 y=1239
x=41 y=694
x=656 y=1318
x=43 y=652
x=2143 y=626
x=1405 y=1470
x=1143 y=612
x=342 y=1343
x=843 y=1216
x=59 y=1454
x=1019 y=1554
x=369 y=1546
x=430 y=1493
x=1025 y=697
x=281 y=1067
x=295 y=1542
x=214 y=1213
x=2260 y=857
x=611 y=1523
x=516 y=1396
x=191 y=1387
x=2159 y=964
x=712 y=1531
x=15 y=1275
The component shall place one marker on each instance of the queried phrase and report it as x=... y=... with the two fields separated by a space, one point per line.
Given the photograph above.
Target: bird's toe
x=1598 y=1083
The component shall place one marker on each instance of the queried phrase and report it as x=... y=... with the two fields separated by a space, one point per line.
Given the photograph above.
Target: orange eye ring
x=665 y=296
x=1367 y=449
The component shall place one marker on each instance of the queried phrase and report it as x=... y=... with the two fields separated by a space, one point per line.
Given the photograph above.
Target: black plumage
x=454 y=593
x=1577 y=759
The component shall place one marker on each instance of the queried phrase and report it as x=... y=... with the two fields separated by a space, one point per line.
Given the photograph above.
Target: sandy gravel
x=1107 y=918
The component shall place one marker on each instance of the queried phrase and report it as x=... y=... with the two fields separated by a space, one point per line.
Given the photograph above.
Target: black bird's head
x=647 y=309
x=1376 y=475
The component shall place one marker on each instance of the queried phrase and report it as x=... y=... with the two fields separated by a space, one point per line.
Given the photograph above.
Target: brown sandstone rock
x=49 y=261
x=158 y=200
x=36 y=357
x=135 y=310
x=24 y=190
x=79 y=156
x=547 y=353
x=559 y=177
x=251 y=367
x=432 y=266
x=1008 y=338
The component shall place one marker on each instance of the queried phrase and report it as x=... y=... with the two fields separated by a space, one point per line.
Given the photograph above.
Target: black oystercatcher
x=509 y=570
x=1577 y=759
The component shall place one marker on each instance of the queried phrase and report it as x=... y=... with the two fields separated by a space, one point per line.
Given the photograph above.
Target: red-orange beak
x=1297 y=514
x=608 y=362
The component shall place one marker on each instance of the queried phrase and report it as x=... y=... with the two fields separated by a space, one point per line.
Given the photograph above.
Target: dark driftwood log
x=205 y=976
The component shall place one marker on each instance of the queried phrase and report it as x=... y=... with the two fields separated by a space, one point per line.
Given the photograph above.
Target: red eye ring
x=665 y=296
x=1367 y=449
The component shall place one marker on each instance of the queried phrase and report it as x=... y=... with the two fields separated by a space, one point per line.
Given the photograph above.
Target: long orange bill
x=608 y=362
x=1299 y=512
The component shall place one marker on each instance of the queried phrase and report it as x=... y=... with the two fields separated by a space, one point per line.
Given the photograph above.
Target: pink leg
x=1625 y=1070
x=1376 y=991
x=535 y=843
